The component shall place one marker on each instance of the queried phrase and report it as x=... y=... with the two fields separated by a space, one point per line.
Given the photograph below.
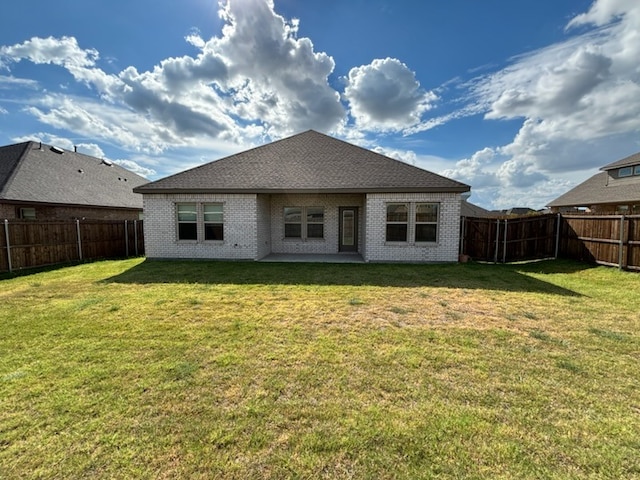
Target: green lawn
x=139 y=369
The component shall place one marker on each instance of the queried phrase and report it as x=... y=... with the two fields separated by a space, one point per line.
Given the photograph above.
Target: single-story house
x=44 y=182
x=614 y=190
x=306 y=194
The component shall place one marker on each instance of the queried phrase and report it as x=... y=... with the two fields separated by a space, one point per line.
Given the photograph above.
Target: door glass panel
x=348 y=228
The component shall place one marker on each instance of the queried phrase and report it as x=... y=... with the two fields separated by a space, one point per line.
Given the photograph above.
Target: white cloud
x=135 y=168
x=578 y=100
x=386 y=96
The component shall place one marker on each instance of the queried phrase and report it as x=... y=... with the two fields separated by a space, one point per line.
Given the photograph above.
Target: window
x=187 y=221
x=303 y=222
x=315 y=222
x=397 y=222
x=426 y=222
x=292 y=222
x=625 y=172
x=213 y=224
x=27 y=213
x=636 y=170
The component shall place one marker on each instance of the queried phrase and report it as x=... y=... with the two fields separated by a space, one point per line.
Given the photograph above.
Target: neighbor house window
x=27 y=213
x=213 y=224
x=625 y=172
x=397 y=222
x=304 y=222
x=636 y=170
x=187 y=221
x=426 y=222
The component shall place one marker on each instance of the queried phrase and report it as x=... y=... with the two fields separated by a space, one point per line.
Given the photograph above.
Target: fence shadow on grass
x=501 y=277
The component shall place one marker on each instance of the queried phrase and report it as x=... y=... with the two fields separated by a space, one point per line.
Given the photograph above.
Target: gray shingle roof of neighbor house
x=625 y=162
x=306 y=162
x=468 y=209
x=36 y=173
x=596 y=190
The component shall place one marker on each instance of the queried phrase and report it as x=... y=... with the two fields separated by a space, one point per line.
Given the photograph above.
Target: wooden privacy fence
x=606 y=239
x=27 y=244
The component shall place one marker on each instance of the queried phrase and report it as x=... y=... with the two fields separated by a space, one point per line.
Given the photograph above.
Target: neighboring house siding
x=160 y=230
x=331 y=204
x=53 y=213
x=444 y=250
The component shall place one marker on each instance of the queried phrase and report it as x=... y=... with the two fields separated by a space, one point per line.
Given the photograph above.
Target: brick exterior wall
x=240 y=232
x=444 y=250
x=264 y=226
x=11 y=211
x=331 y=204
x=254 y=227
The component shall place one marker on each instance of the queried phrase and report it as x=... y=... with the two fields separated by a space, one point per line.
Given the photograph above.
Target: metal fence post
x=504 y=250
x=6 y=236
x=558 y=220
x=495 y=257
x=79 y=239
x=621 y=247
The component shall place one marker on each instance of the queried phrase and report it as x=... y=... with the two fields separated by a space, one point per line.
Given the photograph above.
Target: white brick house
x=306 y=194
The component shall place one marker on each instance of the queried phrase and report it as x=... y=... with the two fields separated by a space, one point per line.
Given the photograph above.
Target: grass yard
x=139 y=369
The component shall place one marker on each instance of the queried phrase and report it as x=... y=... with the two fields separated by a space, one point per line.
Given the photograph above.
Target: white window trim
x=304 y=231
x=200 y=223
x=411 y=225
x=407 y=223
x=436 y=223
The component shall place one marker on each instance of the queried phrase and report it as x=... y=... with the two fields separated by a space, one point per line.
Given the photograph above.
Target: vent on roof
x=57 y=150
x=106 y=162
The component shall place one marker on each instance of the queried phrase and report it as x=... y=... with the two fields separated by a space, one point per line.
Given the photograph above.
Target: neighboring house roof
x=32 y=172
x=468 y=209
x=597 y=190
x=306 y=162
x=625 y=162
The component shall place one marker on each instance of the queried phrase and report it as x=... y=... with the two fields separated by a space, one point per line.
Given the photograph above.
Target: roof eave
x=152 y=191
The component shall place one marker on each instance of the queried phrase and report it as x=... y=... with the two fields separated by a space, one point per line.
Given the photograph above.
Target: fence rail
x=27 y=244
x=604 y=239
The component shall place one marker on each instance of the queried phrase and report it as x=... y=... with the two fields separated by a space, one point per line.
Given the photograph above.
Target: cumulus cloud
x=256 y=79
x=578 y=101
x=386 y=96
x=135 y=168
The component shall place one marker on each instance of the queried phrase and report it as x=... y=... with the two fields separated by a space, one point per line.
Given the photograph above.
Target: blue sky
x=521 y=100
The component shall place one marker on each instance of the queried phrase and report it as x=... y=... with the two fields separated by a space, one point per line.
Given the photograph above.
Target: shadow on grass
x=465 y=276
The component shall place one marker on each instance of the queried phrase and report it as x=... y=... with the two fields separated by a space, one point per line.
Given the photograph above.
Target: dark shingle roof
x=468 y=209
x=33 y=172
x=625 y=162
x=306 y=162
x=597 y=190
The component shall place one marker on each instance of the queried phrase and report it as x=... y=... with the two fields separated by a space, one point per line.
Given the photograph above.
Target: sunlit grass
x=134 y=369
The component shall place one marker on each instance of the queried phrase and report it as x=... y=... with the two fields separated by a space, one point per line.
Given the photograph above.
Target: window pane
x=213 y=231
x=636 y=170
x=187 y=213
x=427 y=212
x=315 y=230
x=187 y=231
x=426 y=232
x=293 y=215
x=213 y=213
x=397 y=213
x=292 y=230
x=396 y=232
x=625 y=172
x=315 y=215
